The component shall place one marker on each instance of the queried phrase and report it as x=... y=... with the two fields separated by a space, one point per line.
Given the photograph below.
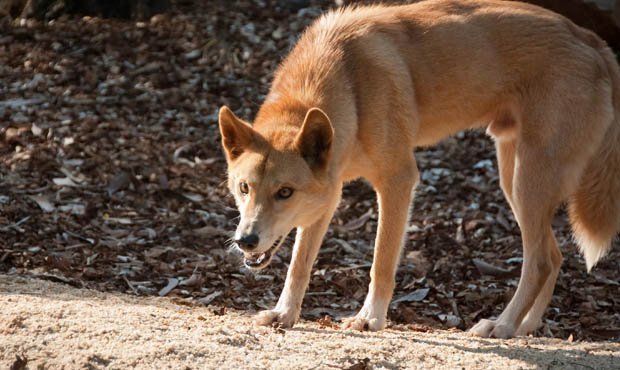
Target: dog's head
x=278 y=177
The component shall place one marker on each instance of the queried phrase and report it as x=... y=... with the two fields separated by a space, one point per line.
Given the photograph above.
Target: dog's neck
x=281 y=111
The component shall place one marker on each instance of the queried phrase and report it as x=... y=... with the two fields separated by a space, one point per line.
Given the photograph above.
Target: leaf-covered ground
x=112 y=178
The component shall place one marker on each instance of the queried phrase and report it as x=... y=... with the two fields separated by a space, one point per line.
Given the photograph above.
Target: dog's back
x=494 y=50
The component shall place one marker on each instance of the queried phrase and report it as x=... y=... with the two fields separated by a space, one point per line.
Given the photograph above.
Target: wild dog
x=364 y=86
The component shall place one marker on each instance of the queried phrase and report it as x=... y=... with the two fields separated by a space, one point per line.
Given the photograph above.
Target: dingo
x=364 y=86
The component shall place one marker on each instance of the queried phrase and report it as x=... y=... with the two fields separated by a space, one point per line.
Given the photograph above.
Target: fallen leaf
x=158 y=252
x=415 y=296
x=120 y=220
x=347 y=247
x=172 y=283
x=193 y=197
x=210 y=298
x=358 y=222
x=64 y=181
x=120 y=181
x=488 y=269
x=209 y=231
x=43 y=203
x=73 y=208
x=194 y=281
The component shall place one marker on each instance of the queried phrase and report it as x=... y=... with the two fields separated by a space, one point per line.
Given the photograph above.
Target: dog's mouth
x=257 y=261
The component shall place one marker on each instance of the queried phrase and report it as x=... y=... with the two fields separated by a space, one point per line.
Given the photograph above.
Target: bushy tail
x=594 y=208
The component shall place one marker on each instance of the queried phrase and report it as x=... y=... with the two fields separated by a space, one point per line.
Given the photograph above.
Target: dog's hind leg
x=560 y=125
x=506 y=152
x=394 y=193
x=533 y=319
x=534 y=199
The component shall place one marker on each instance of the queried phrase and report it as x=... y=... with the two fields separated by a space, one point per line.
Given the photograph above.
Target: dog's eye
x=284 y=193
x=244 y=188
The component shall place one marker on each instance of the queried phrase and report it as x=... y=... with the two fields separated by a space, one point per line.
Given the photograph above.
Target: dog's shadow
x=526 y=349
x=578 y=358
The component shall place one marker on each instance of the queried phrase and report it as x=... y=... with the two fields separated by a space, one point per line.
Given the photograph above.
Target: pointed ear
x=314 y=140
x=237 y=135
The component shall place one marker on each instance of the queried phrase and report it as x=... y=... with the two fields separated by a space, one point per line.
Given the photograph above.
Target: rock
x=450 y=320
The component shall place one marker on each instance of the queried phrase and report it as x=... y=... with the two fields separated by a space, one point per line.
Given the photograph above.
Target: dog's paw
x=528 y=326
x=363 y=323
x=492 y=329
x=285 y=318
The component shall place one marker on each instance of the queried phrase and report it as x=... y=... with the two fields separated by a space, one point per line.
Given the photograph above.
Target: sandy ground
x=58 y=326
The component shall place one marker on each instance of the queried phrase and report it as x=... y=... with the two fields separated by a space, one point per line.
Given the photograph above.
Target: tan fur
x=385 y=80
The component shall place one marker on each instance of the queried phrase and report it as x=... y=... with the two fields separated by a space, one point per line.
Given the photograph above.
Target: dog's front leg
x=394 y=195
x=305 y=250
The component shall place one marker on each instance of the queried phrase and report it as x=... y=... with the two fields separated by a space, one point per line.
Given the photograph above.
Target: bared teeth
x=254 y=260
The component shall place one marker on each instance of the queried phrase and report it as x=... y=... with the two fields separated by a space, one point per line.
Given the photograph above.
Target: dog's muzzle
x=257 y=261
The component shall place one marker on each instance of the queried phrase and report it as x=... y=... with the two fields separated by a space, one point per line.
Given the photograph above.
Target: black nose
x=247 y=242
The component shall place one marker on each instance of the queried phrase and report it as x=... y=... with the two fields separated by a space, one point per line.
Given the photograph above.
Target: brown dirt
x=56 y=326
